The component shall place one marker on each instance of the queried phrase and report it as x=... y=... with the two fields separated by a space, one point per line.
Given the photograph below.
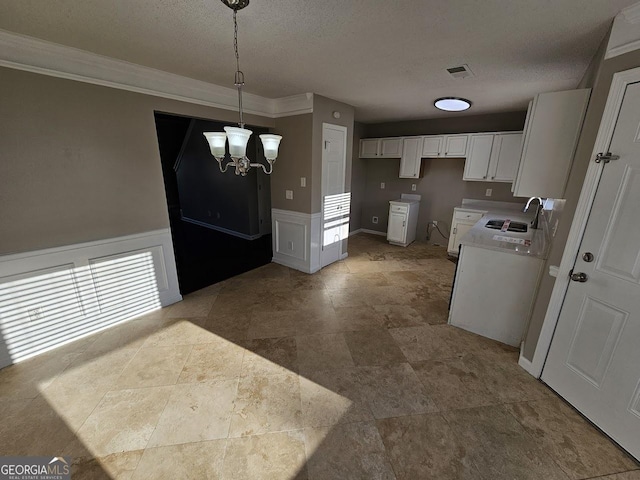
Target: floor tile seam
x=155 y=427
x=161 y=385
x=461 y=440
x=543 y=449
x=286 y=430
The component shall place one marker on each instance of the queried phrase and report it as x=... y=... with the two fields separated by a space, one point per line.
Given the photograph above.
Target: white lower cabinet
x=463 y=220
x=493 y=293
x=403 y=222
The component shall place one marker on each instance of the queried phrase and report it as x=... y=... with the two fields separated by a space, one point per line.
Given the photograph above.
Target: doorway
x=220 y=222
x=335 y=202
x=594 y=356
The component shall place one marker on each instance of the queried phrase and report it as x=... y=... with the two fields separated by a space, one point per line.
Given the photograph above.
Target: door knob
x=579 y=277
x=587 y=257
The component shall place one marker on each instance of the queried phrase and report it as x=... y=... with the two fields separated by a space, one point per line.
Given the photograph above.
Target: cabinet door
x=391 y=147
x=396 y=231
x=369 y=147
x=460 y=230
x=550 y=143
x=505 y=157
x=476 y=166
x=456 y=146
x=411 y=157
x=432 y=146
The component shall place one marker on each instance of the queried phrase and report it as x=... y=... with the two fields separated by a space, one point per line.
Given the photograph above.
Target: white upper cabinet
x=554 y=122
x=445 y=146
x=455 y=145
x=381 y=147
x=505 y=157
x=369 y=148
x=493 y=157
x=432 y=146
x=411 y=157
x=391 y=147
x=476 y=167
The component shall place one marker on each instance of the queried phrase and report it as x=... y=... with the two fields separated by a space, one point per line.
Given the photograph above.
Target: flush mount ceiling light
x=452 y=104
x=238 y=137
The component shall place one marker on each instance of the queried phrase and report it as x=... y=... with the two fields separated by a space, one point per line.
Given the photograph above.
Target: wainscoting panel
x=55 y=296
x=296 y=239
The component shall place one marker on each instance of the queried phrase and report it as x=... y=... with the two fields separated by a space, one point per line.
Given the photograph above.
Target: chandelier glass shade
x=238 y=137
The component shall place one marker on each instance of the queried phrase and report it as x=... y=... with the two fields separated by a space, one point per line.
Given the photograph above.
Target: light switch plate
x=288 y=194
x=382 y=185
x=413 y=187
x=488 y=192
x=303 y=181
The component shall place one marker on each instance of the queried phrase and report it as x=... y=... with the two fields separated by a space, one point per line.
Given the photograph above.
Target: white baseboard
x=526 y=365
x=355 y=232
x=54 y=296
x=373 y=232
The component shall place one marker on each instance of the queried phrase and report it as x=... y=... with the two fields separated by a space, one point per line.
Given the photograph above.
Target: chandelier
x=238 y=137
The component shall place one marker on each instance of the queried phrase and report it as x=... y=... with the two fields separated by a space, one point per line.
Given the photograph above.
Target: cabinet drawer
x=467 y=216
x=399 y=209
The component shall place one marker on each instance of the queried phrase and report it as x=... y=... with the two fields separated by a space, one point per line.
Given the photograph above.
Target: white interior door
x=335 y=202
x=594 y=359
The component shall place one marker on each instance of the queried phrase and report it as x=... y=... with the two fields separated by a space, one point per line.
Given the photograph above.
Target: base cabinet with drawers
x=403 y=222
x=463 y=220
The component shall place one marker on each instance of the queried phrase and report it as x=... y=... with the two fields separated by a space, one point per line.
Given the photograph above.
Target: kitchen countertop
x=407 y=198
x=511 y=242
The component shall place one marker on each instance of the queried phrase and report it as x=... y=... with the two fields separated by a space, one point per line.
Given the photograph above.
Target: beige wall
x=358 y=179
x=441 y=187
x=602 y=78
x=80 y=162
x=452 y=124
x=294 y=161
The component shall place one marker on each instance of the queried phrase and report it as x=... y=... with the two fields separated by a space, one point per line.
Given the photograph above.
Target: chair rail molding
x=30 y=54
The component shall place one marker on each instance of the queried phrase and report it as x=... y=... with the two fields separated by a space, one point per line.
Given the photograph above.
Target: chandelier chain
x=239 y=77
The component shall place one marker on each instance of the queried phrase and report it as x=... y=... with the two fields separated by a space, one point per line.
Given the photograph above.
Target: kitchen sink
x=515 y=227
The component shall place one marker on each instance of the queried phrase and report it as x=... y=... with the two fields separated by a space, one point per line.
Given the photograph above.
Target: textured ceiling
x=387 y=58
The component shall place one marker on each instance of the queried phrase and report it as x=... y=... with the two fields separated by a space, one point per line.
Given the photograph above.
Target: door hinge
x=606 y=157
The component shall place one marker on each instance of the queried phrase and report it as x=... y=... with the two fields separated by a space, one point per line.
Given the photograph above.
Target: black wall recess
x=220 y=222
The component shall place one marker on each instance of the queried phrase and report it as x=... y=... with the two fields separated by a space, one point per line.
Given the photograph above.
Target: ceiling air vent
x=463 y=71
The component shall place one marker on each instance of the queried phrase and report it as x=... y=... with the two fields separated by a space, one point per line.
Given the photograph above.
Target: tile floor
x=351 y=373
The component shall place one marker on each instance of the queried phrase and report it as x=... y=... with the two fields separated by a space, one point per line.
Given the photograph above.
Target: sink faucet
x=534 y=223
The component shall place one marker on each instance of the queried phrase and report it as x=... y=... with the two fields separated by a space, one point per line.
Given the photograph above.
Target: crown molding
x=47 y=58
x=625 y=33
x=632 y=13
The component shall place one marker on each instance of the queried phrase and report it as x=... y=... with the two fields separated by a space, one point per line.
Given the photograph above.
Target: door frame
x=578 y=226
x=345 y=130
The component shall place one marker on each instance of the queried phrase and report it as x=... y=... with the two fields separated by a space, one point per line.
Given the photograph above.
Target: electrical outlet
x=381 y=185
x=488 y=192
x=374 y=219
x=288 y=194
x=303 y=181
x=413 y=187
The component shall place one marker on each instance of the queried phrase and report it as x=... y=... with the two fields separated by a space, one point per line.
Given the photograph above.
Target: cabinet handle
x=455 y=230
x=484 y=176
x=404 y=223
x=492 y=177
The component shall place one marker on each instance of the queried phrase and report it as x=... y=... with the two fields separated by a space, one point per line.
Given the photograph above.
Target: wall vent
x=462 y=71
